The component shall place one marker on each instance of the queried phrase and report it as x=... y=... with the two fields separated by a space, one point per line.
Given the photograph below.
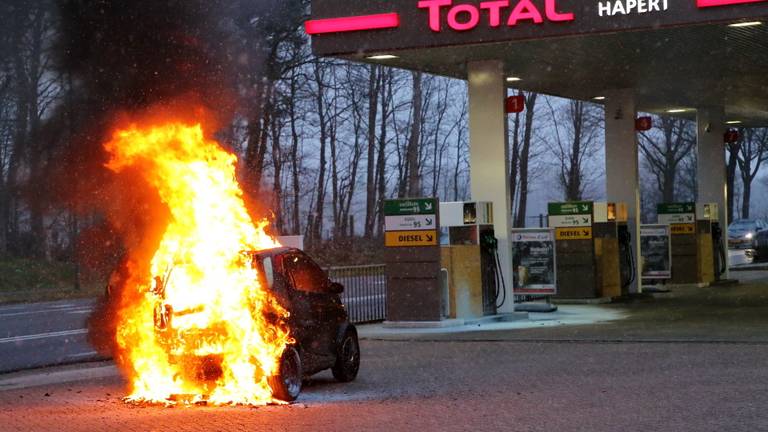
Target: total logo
x=463 y=17
x=466 y=16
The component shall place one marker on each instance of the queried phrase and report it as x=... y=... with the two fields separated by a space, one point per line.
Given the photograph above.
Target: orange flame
x=200 y=326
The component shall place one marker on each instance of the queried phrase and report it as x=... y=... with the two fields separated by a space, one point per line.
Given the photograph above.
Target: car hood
x=735 y=233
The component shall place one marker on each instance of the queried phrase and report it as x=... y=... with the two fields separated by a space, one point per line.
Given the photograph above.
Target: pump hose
x=500 y=275
x=721 y=255
x=632 y=268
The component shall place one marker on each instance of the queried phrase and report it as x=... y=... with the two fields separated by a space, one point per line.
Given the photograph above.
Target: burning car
x=194 y=318
x=323 y=337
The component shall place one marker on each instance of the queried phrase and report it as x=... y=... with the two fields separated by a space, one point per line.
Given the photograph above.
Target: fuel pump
x=593 y=248
x=693 y=250
x=470 y=255
x=627 y=264
x=492 y=275
x=710 y=213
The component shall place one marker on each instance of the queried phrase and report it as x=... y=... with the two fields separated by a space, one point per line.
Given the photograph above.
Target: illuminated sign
x=683 y=229
x=353 y=23
x=643 y=124
x=584 y=233
x=514 y=104
x=411 y=238
x=627 y=7
x=344 y=27
x=466 y=16
x=712 y=3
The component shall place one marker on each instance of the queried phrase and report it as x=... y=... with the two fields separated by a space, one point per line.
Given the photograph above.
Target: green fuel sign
x=571 y=208
x=408 y=207
x=677 y=213
x=676 y=208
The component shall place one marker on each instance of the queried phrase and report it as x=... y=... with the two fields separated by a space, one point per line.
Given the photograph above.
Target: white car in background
x=742 y=233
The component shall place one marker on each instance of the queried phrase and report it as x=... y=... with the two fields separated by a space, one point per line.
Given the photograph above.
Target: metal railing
x=365 y=291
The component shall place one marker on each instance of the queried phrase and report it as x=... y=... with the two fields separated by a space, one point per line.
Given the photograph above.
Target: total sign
x=467 y=16
x=381 y=26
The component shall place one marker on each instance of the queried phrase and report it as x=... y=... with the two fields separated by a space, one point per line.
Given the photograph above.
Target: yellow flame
x=218 y=343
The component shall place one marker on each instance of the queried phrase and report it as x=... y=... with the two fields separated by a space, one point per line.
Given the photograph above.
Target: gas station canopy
x=676 y=55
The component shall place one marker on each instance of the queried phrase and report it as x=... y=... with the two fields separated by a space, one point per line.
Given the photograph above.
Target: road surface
x=41 y=334
x=458 y=386
x=44 y=334
x=693 y=360
x=738 y=257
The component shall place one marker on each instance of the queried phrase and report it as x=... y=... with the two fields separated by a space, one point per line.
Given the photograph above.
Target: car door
x=313 y=304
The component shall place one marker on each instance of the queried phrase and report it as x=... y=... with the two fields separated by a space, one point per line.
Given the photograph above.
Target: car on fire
x=324 y=338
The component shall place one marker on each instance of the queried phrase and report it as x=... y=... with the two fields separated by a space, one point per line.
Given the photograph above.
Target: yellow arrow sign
x=411 y=238
x=581 y=233
x=683 y=229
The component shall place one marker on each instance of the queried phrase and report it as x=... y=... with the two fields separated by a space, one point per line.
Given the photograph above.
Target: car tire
x=347 y=357
x=286 y=386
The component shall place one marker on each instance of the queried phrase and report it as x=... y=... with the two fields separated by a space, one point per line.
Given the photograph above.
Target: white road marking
x=64 y=306
x=43 y=336
x=81 y=309
x=85 y=354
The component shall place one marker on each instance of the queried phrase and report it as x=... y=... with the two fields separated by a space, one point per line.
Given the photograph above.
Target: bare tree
x=733 y=163
x=410 y=182
x=34 y=88
x=386 y=100
x=664 y=148
x=374 y=86
x=461 y=162
x=753 y=151
x=316 y=218
x=524 y=159
x=575 y=127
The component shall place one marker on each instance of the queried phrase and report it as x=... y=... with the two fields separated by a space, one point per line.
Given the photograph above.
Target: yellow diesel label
x=683 y=229
x=581 y=233
x=411 y=238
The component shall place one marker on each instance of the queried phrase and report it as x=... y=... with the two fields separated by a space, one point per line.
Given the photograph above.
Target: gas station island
x=699 y=59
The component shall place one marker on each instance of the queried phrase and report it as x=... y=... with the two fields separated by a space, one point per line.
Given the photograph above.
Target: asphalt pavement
x=55 y=333
x=738 y=257
x=455 y=386
x=690 y=360
x=42 y=334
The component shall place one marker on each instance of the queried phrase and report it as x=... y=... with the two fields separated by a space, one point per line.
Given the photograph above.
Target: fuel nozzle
x=489 y=241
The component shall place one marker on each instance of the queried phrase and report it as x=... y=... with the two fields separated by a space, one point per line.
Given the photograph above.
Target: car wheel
x=348 y=357
x=286 y=386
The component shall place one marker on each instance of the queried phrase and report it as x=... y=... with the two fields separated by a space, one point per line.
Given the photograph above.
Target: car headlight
x=749 y=236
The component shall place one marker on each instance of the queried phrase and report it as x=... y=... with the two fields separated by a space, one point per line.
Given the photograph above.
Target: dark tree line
x=322 y=142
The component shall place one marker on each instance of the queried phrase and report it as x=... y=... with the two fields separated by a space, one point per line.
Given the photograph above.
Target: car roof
x=274 y=251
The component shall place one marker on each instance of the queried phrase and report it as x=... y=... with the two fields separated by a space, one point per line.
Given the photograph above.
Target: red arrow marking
x=353 y=23
x=711 y=3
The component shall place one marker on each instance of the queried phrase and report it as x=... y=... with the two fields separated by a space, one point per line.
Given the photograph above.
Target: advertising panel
x=534 y=264
x=656 y=249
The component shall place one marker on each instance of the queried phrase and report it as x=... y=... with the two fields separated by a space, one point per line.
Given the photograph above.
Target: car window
x=305 y=274
x=744 y=225
x=269 y=273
